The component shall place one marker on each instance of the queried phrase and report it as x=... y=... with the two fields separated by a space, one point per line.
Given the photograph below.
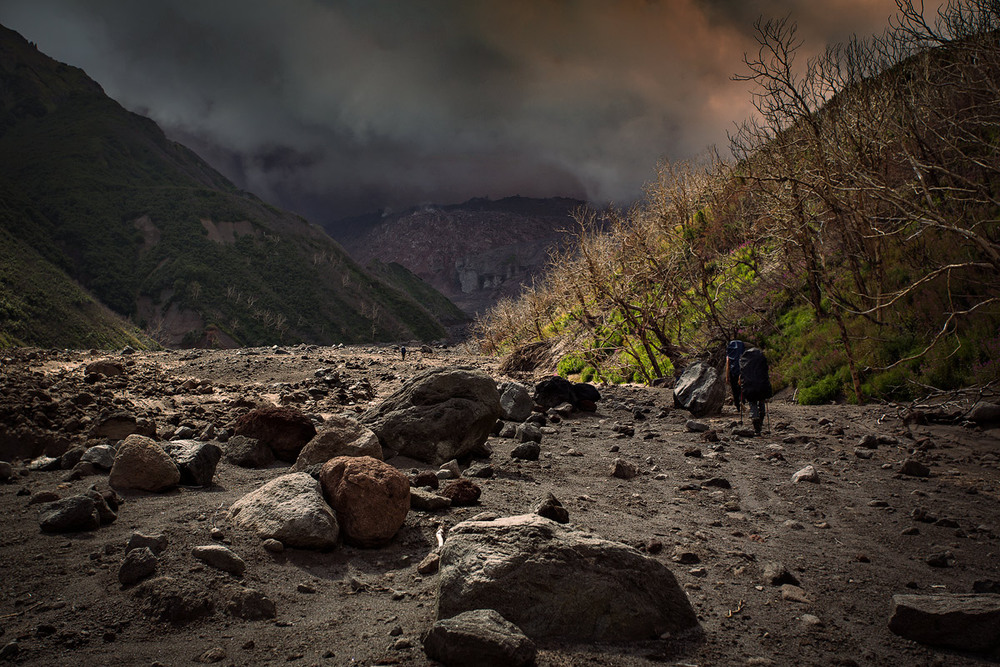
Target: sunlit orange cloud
x=347 y=106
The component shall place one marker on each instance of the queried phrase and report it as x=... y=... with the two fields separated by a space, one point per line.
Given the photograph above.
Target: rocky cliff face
x=474 y=253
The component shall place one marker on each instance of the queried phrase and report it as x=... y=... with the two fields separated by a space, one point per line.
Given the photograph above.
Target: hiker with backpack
x=734 y=350
x=753 y=380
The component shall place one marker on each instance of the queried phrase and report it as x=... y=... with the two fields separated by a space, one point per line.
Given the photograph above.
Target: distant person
x=755 y=384
x=402 y=352
x=734 y=350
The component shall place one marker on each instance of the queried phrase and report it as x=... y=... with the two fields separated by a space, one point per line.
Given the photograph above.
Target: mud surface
x=716 y=507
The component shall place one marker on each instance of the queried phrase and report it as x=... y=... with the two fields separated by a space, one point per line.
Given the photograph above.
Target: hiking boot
x=757 y=425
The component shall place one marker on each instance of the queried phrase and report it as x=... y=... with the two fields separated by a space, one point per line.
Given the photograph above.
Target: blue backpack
x=734 y=350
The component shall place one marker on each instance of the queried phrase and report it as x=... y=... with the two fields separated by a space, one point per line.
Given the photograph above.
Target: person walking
x=734 y=350
x=755 y=384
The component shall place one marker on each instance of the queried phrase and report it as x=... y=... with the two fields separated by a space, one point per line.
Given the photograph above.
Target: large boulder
x=341 y=435
x=143 y=465
x=290 y=509
x=963 y=622
x=701 y=389
x=196 y=460
x=285 y=430
x=553 y=581
x=439 y=415
x=482 y=637
x=985 y=412
x=515 y=402
x=248 y=452
x=371 y=498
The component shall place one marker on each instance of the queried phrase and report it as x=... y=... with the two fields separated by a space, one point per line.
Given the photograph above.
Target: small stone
x=622 y=469
x=793 y=593
x=430 y=563
x=806 y=474
x=138 y=564
x=425 y=478
x=427 y=501
x=693 y=452
x=528 y=451
x=776 y=574
x=273 y=546
x=914 y=468
x=452 y=467
x=695 y=426
x=220 y=558
x=942 y=559
x=212 y=655
x=462 y=493
x=811 y=621
x=551 y=508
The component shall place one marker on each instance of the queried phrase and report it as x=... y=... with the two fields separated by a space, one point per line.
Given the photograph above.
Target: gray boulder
x=69 y=515
x=701 y=389
x=195 y=460
x=963 y=622
x=247 y=452
x=482 y=638
x=985 y=412
x=515 y=402
x=289 y=509
x=553 y=581
x=342 y=435
x=102 y=456
x=439 y=415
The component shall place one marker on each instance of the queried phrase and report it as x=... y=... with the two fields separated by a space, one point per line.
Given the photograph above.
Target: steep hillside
x=158 y=236
x=855 y=237
x=474 y=253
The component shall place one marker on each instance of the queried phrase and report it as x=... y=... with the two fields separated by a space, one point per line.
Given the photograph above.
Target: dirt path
x=716 y=512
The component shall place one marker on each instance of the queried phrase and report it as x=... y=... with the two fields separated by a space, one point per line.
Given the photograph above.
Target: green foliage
x=571 y=364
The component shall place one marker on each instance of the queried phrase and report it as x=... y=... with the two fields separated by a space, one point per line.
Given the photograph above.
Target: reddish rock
x=371 y=498
x=461 y=492
x=285 y=430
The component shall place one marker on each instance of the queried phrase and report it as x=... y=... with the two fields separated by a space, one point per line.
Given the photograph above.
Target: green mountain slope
x=158 y=236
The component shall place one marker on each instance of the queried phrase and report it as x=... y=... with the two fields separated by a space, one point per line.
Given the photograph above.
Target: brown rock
x=371 y=498
x=104 y=367
x=285 y=430
x=115 y=426
x=341 y=436
x=142 y=464
x=461 y=492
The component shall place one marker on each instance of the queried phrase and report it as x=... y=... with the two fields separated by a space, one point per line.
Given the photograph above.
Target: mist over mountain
x=121 y=216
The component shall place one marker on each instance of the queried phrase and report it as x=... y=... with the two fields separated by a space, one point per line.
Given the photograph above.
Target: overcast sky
x=337 y=107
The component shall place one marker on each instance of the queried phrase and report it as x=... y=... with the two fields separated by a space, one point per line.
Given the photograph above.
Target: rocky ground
x=779 y=572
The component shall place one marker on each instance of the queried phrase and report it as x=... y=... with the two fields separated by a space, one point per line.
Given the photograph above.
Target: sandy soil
x=715 y=512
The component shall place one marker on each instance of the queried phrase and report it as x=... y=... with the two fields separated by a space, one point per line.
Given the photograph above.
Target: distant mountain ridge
x=475 y=253
x=124 y=217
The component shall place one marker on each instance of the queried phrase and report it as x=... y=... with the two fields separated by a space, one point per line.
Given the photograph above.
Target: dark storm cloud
x=332 y=107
